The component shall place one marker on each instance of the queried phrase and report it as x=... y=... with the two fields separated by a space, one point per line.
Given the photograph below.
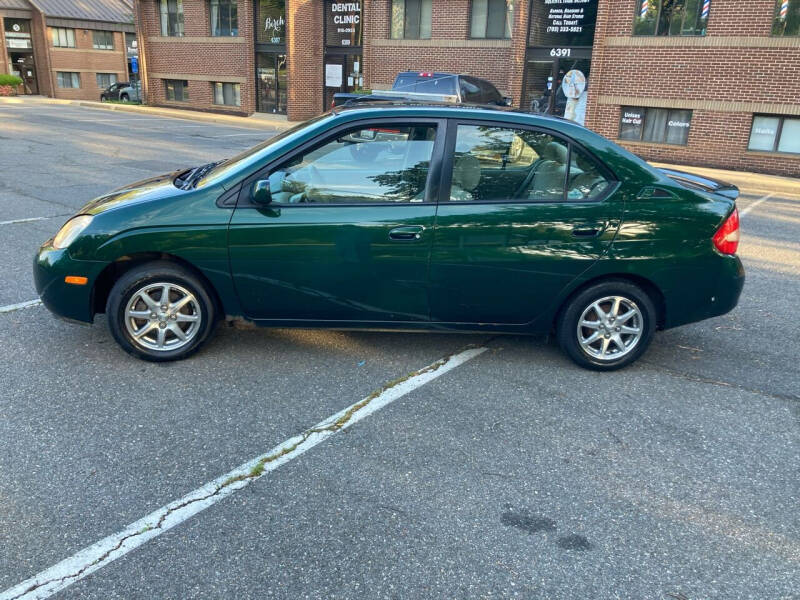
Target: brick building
x=66 y=49
x=707 y=82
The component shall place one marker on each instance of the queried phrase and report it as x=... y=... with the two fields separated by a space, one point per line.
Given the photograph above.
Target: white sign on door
x=333 y=75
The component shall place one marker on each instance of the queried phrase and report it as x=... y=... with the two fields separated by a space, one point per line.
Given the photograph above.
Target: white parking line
x=12 y=307
x=28 y=220
x=755 y=203
x=102 y=553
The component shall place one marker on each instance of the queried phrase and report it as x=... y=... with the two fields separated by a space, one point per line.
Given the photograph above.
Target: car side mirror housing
x=260 y=192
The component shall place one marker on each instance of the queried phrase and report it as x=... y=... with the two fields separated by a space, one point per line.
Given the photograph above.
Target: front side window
x=787 y=18
x=224 y=18
x=658 y=125
x=103 y=40
x=671 y=17
x=68 y=80
x=105 y=80
x=228 y=94
x=497 y=164
x=380 y=164
x=775 y=134
x=176 y=89
x=411 y=19
x=62 y=37
x=491 y=18
x=171 y=17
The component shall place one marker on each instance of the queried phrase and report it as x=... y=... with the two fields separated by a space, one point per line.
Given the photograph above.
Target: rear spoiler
x=704 y=184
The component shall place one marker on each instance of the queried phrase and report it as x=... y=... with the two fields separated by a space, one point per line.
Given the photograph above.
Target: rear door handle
x=587 y=232
x=406 y=233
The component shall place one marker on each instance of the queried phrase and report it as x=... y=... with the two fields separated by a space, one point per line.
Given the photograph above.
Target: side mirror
x=260 y=193
x=507 y=101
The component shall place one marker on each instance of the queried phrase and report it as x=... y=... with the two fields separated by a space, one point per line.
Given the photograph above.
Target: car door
x=348 y=233
x=527 y=212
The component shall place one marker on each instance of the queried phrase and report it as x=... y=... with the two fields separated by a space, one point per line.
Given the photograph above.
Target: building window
x=172 y=18
x=103 y=40
x=62 y=37
x=411 y=19
x=491 y=18
x=671 y=17
x=177 y=89
x=271 y=28
x=658 y=125
x=105 y=80
x=224 y=18
x=775 y=134
x=68 y=80
x=787 y=18
x=227 y=94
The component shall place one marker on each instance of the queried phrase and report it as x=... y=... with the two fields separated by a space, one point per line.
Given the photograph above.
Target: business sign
x=562 y=23
x=134 y=64
x=271 y=26
x=343 y=23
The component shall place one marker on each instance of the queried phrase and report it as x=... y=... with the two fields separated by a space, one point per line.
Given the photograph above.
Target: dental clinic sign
x=343 y=23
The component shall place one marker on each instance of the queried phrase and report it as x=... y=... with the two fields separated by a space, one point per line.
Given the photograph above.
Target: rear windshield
x=437 y=84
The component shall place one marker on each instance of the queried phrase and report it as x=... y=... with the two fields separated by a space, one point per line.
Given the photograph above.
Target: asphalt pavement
x=515 y=474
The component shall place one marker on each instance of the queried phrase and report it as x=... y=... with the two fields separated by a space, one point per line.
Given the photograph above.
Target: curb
x=249 y=122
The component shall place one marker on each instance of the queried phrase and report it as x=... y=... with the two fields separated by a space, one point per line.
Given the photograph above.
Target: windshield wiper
x=193 y=176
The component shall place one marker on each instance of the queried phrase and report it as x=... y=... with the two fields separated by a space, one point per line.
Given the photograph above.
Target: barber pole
x=645 y=8
x=706 y=8
x=784 y=9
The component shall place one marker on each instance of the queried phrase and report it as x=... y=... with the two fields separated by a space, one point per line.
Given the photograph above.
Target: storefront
x=271 y=79
x=343 y=70
x=558 y=58
x=20 y=53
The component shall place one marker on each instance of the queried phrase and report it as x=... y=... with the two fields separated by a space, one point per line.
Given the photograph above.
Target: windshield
x=437 y=84
x=232 y=164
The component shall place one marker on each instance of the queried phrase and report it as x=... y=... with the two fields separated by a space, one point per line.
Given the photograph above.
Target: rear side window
x=377 y=164
x=493 y=164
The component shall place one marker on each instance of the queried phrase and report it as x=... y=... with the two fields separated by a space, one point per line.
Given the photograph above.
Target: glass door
x=343 y=73
x=271 y=82
x=558 y=86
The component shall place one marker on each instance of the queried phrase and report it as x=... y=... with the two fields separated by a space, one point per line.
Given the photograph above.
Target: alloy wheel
x=610 y=328
x=163 y=317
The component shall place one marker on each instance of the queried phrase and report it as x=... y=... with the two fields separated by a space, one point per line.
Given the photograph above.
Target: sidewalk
x=256 y=121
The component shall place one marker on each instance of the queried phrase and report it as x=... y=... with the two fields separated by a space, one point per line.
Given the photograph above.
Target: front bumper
x=73 y=302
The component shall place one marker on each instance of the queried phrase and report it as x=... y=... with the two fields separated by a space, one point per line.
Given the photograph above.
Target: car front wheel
x=124 y=97
x=160 y=312
x=607 y=326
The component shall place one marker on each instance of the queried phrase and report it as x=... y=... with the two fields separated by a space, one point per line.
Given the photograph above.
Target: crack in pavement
x=99 y=554
x=700 y=379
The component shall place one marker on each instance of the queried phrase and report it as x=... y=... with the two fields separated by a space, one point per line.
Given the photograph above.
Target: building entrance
x=271 y=82
x=23 y=66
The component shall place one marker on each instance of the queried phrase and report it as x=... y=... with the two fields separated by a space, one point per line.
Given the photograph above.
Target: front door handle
x=406 y=233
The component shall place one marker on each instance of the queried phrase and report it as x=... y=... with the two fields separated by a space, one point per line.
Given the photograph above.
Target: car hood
x=155 y=188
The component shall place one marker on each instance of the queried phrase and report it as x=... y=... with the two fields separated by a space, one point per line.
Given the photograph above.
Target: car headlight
x=71 y=230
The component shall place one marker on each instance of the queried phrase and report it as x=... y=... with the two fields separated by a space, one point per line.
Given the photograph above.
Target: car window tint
x=498 y=163
x=586 y=181
x=364 y=165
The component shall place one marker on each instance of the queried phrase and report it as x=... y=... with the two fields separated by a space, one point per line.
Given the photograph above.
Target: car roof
x=392 y=108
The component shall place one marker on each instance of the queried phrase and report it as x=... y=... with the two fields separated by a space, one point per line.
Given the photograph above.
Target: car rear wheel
x=124 y=97
x=607 y=326
x=160 y=312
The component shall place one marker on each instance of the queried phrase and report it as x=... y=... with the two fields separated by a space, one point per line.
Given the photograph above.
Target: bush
x=9 y=80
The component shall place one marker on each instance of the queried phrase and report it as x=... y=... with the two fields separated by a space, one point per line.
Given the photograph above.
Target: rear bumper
x=72 y=302
x=717 y=294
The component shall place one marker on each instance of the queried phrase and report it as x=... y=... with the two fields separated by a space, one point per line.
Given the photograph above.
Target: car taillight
x=726 y=239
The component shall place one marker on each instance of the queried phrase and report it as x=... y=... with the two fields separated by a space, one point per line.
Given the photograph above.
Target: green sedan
x=411 y=218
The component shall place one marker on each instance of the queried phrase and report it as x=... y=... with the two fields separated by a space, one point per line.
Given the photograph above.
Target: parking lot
x=509 y=473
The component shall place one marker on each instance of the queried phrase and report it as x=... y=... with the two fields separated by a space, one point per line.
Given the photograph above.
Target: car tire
x=607 y=326
x=141 y=324
x=125 y=98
